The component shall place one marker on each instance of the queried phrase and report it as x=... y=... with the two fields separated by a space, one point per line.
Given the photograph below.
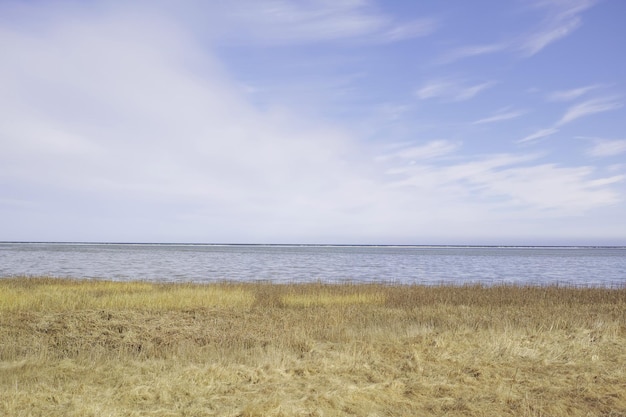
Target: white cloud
x=606 y=147
x=548 y=186
x=104 y=109
x=593 y=106
x=448 y=89
x=539 y=134
x=429 y=150
x=586 y=108
x=563 y=18
x=569 y=95
x=500 y=116
x=120 y=127
x=295 y=22
x=414 y=29
x=510 y=182
x=538 y=41
x=471 y=51
x=392 y=111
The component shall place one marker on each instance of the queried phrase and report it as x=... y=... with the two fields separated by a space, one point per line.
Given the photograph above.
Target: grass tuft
x=81 y=348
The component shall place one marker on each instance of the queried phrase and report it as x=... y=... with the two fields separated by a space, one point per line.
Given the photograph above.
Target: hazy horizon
x=408 y=245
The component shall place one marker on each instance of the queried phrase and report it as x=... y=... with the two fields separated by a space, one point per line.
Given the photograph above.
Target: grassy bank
x=91 y=348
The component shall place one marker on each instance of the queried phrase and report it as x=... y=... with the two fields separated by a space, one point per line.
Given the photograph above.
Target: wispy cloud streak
x=598 y=105
x=539 y=134
x=414 y=29
x=515 y=182
x=471 y=51
x=429 y=150
x=586 y=108
x=500 y=116
x=569 y=95
x=607 y=147
x=289 y=22
x=451 y=90
x=563 y=18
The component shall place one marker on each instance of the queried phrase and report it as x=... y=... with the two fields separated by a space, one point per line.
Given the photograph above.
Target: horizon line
x=313 y=244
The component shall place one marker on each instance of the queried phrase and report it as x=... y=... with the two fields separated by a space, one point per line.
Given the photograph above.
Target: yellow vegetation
x=99 y=348
x=50 y=294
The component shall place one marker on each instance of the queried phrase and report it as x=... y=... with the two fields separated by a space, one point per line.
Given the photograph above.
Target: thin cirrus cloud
x=572 y=94
x=516 y=182
x=563 y=17
x=575 y=112
x=471 y=51
x=500 y=116
x=451 y=90
x=542 y=133
x=432 y=149
x=286 y=22
x=413 y=29
x=607 y=147
x=589 y=107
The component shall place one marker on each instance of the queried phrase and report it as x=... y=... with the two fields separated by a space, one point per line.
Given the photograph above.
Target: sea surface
x=430 y=265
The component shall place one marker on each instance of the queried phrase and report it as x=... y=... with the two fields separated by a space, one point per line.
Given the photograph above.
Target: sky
x=313 y=121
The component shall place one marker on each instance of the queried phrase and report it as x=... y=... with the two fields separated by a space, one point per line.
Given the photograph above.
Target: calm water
x=425 y=265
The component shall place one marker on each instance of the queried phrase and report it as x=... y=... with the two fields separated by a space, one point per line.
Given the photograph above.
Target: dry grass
x=94 y=348
x=51 y=294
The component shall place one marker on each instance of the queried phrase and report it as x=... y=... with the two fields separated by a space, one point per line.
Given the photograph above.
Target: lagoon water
x=577 y=266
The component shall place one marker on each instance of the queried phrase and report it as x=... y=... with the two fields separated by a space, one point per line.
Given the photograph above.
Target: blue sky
x=317 y=121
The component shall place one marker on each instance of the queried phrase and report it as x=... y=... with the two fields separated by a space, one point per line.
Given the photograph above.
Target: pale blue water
x=579 y=266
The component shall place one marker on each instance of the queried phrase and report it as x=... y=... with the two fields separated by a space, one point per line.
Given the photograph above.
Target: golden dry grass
x=97 y=348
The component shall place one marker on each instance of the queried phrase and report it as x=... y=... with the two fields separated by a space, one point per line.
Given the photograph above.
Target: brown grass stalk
x=100 y=348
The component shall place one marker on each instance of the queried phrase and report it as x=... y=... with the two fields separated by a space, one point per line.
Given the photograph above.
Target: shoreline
x=316 y=245
x=441 y=284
